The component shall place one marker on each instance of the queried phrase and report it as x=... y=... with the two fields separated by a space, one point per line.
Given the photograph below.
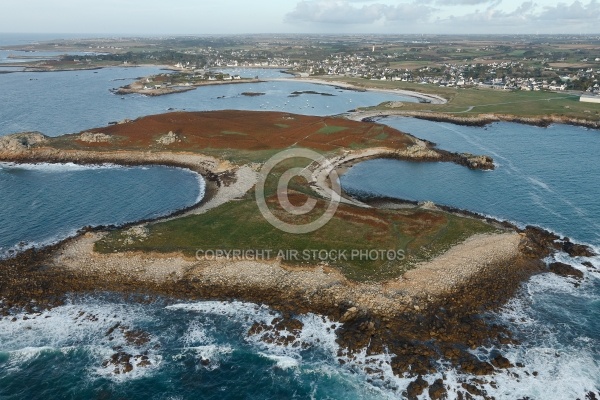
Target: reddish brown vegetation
x=249 y=130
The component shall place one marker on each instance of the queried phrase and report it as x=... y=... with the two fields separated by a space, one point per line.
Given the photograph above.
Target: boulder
x=168 y=139
x=416 y=388
x=437 y=391
x=577 y=250
x=565 y=270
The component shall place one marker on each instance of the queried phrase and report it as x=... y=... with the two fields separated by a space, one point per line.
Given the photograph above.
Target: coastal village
x=377 y=64
x=550 y=63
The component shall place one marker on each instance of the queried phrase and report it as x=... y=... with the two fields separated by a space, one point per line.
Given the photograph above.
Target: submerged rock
x=124 y=363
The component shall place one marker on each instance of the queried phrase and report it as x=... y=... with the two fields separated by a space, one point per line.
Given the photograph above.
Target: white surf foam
x=82 y=326
x=56 y=167
x=282 y=362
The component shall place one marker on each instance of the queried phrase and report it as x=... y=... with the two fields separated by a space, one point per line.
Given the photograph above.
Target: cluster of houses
x=508 y=75
x=186 y=79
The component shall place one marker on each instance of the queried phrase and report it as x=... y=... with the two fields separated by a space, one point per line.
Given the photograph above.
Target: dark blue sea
x=201 y=350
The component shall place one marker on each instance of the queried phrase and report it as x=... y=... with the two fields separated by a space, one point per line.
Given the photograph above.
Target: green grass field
x=238 y=225
x=477 y=101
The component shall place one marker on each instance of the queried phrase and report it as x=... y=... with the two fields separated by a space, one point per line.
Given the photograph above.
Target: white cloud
x=459 y=2
x=450 y=16
x=344 y=12
x=529 y=17
x=576 y=12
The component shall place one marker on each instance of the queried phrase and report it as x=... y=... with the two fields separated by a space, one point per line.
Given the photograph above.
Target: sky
x=301 y=16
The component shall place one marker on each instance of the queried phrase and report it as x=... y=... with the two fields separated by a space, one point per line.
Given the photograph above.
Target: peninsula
x=421 y=306
x=161 y=84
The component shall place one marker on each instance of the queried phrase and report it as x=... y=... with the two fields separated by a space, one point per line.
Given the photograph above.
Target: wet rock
x=565 y=270
x=257 y=328
x=478 y=368
x=137 y=337
x=143 y=361
x=588 y=264
x=501 y=362
x=591 y=396
x=437 y=391
x=121 y=362
x=112 y=329
x=474 y=390
x=416 y=388
x=288 y=324
x=282 y=331
x=577 y=250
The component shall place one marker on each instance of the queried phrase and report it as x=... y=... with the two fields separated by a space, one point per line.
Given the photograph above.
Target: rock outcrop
x=95 y=137
x=21 y=141
x=565 y=270
x=478 y=162
x=168 y=139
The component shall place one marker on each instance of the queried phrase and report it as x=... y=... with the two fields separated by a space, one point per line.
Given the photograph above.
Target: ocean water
x=546 y=177
x=65 y=102
x=196 y=350
x=11 y=39
x=43 y=203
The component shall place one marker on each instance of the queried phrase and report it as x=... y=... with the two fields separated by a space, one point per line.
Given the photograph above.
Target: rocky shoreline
x=419 y=323
x=430 y=313
x=139 y=88
x=480 y=121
